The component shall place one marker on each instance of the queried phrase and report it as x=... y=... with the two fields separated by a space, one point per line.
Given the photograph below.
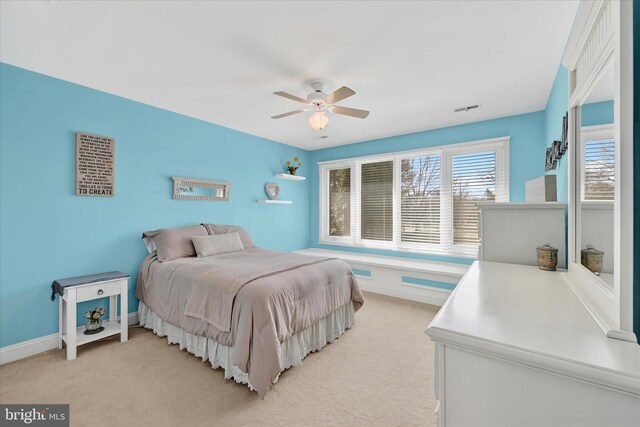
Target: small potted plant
x=292 y=167
x=93 y=324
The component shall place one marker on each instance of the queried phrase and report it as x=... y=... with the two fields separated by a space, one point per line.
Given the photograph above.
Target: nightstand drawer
x=99 y=290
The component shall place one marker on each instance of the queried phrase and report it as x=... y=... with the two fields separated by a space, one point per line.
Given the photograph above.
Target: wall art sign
x=94 y=165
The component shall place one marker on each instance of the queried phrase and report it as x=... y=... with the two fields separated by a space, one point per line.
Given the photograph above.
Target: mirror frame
x=182 y=187
x=602 y=35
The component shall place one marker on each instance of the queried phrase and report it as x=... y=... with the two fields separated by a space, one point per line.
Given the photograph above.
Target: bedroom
x=186 y=90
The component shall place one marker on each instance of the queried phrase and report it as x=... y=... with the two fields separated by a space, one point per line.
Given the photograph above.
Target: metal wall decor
x=200 y=189
x=558 y=148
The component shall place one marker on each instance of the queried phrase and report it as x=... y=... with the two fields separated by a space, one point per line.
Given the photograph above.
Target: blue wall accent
x=557 y=106
x=425 y=282
x=598 y=113
x=46 y=232
x=526 y=161
x=361 y=272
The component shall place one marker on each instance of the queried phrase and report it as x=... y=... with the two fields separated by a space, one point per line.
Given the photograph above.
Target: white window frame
x=592 y=133
x=498 y=145
x=324 y=202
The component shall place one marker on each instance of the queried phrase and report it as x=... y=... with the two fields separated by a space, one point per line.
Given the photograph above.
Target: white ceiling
x=411 y=63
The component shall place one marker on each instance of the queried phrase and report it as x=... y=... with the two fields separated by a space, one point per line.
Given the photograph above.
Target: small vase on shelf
x=292 y=167
x=93 y=324
x=93 y=327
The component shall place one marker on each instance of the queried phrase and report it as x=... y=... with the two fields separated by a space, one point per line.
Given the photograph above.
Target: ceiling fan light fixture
x=318 y=120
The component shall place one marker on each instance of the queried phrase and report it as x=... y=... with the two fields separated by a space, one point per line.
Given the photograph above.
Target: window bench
x=424 y=281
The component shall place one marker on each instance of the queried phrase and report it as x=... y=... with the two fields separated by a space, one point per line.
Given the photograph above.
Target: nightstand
x=75 y=290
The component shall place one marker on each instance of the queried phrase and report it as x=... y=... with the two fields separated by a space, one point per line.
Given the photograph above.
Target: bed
x=253 y=312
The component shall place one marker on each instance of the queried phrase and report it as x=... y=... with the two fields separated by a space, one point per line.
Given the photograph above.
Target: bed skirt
x=293 y=350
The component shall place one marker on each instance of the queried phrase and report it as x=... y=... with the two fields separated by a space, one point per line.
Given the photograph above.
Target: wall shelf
x=275 y=202
x=290 y=177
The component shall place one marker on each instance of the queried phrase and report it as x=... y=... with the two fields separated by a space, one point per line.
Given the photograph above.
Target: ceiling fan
x=319 y=102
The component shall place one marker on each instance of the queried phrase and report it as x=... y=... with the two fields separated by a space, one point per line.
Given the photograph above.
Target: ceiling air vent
x=467 y=108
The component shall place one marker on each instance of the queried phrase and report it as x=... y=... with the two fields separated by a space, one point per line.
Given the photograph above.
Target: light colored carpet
x=379 y=373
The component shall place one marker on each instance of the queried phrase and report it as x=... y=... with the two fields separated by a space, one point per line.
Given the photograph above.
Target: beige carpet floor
x=379 y=373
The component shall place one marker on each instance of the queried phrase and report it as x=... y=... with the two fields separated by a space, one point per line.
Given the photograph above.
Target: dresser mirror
x=599 y=59
x=595 y=179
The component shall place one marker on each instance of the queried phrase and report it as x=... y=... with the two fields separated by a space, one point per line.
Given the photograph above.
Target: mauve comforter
x=252 y=300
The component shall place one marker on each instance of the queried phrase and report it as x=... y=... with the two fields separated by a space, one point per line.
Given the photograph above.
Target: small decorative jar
x=592 y=259
x=93 y=325
x=547 y=257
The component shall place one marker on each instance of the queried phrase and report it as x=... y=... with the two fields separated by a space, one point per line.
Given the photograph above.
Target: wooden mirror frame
x=602 y=34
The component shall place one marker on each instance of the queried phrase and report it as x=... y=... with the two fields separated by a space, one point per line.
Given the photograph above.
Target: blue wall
x=526 y=161
x=46 y=232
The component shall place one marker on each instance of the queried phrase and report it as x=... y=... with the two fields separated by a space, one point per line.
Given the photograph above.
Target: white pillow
x=217 y=244
x=149 y=244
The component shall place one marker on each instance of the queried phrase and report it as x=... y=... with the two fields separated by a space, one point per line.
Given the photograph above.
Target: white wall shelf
x=290 y=177
x=275 y=202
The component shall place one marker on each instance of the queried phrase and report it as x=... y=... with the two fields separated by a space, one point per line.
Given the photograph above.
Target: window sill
x=466 y=254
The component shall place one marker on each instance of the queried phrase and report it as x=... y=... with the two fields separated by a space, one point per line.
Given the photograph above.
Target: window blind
x=376 y=201
x=420 y=199
x=599 y=170
x=473 y=181
x=340 y=202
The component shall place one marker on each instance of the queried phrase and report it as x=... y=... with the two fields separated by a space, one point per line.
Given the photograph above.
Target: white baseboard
x=427 y=296
x=32 y=347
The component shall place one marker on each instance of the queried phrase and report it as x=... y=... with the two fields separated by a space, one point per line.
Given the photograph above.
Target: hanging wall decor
x=550 y=161
x=558 y=148
x=94 y=165
x=200 y=189
x=273 y=190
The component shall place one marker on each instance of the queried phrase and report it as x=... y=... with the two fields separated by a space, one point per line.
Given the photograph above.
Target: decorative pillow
x=217 y=244
x=224 y=229
x=172 y=243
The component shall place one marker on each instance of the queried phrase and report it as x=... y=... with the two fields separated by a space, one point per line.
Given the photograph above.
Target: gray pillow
x=172 y=243
x=217 y=244
x=224 y=229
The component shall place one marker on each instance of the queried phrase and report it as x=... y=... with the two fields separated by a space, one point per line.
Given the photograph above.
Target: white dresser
x=515 y=347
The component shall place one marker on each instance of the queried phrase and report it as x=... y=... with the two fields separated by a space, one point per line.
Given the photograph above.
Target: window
x=418 y=201
x=376 y=201
x=598 y=165
x=474 y=180
x=340 y=202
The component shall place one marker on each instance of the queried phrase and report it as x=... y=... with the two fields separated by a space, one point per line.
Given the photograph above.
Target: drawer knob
x=100 y=292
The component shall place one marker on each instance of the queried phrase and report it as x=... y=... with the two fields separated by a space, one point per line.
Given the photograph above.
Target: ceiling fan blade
x=292 y=97
x=353 y=112
x=339 y=95
x=290 y=113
